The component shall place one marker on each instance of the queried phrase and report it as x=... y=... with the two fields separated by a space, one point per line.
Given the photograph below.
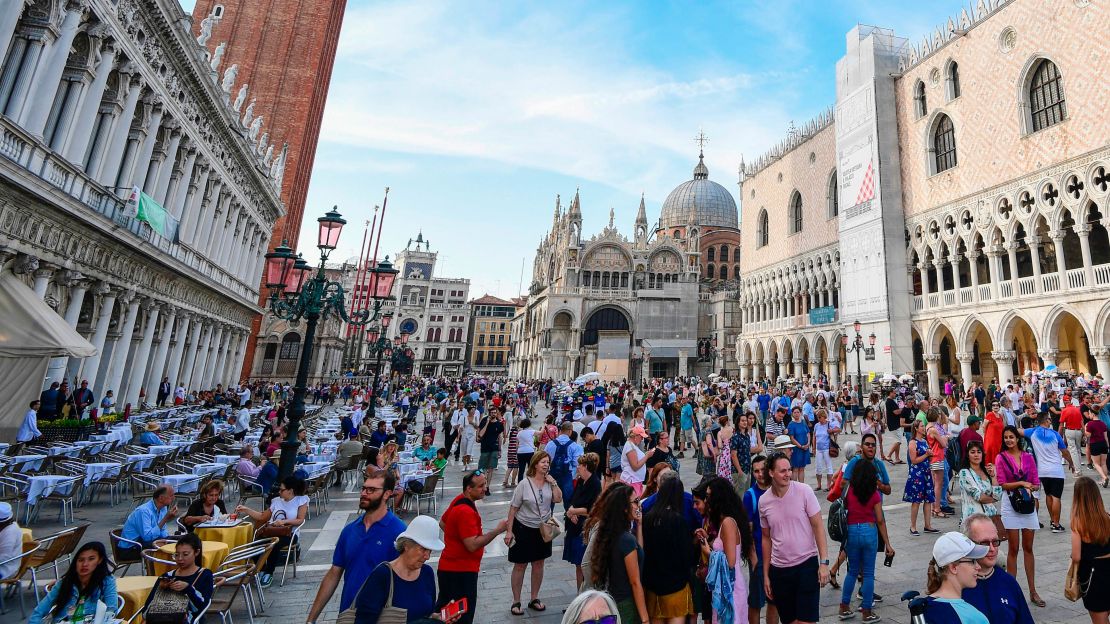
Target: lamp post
x=379 y=346
x=857 y=346
x=294 y=295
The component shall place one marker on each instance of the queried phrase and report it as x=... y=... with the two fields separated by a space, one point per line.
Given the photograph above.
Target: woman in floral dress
x=724 y=449
x=919 y=484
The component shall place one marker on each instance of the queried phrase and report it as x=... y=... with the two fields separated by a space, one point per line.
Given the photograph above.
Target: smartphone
x=453 y=609
x=889 y=561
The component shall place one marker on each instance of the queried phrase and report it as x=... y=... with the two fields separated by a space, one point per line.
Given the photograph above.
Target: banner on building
x=150 y=212
x=822 y=315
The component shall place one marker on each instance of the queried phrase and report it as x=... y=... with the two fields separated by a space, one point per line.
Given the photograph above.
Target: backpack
x=560 y=463
x=838 y=518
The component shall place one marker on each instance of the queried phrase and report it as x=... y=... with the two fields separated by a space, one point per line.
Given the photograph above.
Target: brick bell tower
x=285 y=50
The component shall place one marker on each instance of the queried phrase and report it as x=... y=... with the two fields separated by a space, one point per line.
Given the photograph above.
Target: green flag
x=150 y=212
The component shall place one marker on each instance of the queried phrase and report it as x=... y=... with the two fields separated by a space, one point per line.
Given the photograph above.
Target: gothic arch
x=934 y=335
x=1101 y=335
x=1050 y=334
x=1025 y=82
x=1006 y=327
x=965 y=340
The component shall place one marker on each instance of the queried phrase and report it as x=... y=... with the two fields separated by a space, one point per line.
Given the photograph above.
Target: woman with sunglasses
x=953 y=569
x=1017 y=470
x=591 y=607
x=288 y=509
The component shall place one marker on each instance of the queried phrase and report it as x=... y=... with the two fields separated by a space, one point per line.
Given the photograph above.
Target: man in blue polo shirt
x=362 y=545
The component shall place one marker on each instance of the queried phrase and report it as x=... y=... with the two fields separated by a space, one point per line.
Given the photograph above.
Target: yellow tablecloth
x=214 y=554
x=27 y=537
x=134 y=590
x=233 y=536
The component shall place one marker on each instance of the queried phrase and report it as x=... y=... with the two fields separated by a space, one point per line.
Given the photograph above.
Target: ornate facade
x=103 y=101
x=965 y=221
x=630 y=308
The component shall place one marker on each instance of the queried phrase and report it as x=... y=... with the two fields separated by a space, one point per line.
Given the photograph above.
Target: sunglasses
x=870 y=444
x=605 y=619
x=991 y=542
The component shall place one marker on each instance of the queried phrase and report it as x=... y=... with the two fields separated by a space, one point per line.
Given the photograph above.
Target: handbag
x=168 y=606
x=834 y=449
x=549 y=528
x=390 y=614
x=270 y=530
x=1020 y=499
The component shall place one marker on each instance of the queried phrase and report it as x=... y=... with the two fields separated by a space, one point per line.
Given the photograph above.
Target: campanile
x=285 y=50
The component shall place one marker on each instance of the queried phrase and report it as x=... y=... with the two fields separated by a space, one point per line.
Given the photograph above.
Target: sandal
x=1036 y=600
x=515 y=609
x=536 y=605
x=834 y=583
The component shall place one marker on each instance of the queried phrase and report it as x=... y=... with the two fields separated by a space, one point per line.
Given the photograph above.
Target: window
x=834 y=201
x=482 y=340
x=944 y=144
x=290 y=347
x=736 y=255
x=1046 y=96
x=501 y=340
x=796 y=213
x=500 y=357
x=761 y=234
x=431 y=354
x=953 y=80
x=709 y=270
x=736 y=272
x=919 y=105
x=724 y=253
x=711 y=254
x=480 y=358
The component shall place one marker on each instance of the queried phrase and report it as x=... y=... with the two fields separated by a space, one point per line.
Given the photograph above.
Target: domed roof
x=710 y=203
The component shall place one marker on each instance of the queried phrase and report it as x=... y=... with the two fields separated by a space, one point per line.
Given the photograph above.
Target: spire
x=558 y=208
x=743 y=174
x=641 y=214
x=701 y=172
x=575 y=206
x=612 y=215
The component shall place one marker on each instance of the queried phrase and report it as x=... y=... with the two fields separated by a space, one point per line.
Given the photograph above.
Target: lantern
x=331 y=224
x=278 y=264
x=382 y=278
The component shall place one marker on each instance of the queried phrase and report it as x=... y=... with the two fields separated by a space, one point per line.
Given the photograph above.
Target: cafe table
x=214 y=554
x=133 y=590
x=234 y=535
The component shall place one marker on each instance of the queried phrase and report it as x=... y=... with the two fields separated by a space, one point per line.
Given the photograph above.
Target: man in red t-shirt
x=1071 y=428
x=463 y=545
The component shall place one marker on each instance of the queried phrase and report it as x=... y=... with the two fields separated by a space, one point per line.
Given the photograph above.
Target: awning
x=30 y=329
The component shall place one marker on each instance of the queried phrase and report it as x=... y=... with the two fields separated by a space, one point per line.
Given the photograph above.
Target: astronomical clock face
x=416 y=270
x=408 y=326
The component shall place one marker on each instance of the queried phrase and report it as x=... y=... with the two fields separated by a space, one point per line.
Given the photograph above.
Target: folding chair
x=228 y=579
x=66 y=493
x=125 y=552
x=14 y=581
x=151 y=556
x=55 y=548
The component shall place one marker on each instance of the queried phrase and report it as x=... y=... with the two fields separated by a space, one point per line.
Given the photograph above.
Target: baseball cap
x=971 y=420
x=953 y=546
x=638 y=430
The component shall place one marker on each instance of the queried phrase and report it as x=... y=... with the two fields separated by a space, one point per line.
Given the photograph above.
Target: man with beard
x=464 y=545
x=362 y=545
x=997 y=595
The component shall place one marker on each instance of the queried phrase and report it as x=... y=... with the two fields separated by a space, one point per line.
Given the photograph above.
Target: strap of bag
x=550 y=512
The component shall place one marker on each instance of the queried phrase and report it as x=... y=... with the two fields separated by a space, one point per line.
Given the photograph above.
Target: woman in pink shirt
x=1018 y=470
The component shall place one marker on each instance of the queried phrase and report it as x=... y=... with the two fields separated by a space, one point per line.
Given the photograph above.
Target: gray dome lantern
x=710 y=203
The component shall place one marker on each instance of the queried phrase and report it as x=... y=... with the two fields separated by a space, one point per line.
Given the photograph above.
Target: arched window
x=833 y=200
x=1046 y=96
x=762 y=235
x=724 y=253
x=796 y=213
x=711 y=254
x=736 y=255
x=431 y=334
x=481 y=340
x=709 y=270
x=944 y=144
x=952 y=80
x=919 y=105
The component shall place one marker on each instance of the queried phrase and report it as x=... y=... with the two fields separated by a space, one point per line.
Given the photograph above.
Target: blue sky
x=476 y=114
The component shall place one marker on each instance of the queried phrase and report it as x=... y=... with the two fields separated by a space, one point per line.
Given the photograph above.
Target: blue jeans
x=863 y=540
x=944 y=487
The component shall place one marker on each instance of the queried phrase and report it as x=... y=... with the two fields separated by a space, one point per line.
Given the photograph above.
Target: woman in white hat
x=11 y=541
x=954 y=568
x=403 y=589
x=149 y=437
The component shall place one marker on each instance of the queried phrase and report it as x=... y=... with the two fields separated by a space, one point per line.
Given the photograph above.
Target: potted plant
x=65 y=429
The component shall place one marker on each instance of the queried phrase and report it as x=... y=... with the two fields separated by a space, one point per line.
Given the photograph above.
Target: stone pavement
x=290 y=604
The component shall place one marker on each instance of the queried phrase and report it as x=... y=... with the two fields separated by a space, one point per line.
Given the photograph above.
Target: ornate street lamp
x=857 y=346
x=296 y=292
x=378 y=346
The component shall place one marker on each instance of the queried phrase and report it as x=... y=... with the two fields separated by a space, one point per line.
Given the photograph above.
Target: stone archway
x=1017 y=336
x=606 y=342
x=1067 y=343
x=976 y=353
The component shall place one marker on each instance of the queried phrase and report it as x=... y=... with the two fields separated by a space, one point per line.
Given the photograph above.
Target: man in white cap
x=11 y=541
x=997 y=594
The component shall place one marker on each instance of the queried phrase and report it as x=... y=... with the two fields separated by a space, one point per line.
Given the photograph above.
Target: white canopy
x=30 y=334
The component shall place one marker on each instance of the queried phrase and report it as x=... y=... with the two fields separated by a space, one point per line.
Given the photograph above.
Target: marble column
x=972 y=261
x=185 y=187
x=965 y=367
x=1102 y=360
x=1049 y=356
x=219 y=356
x=229 y=236
x=41 y=98
x=1011 y=252
x=932 y=363
x=89 y=366
x=241 y=355
x=78 y=286
x=923 y=268
x=158 y=364
x=146 y=151
x=1085 y=248
x=1004 y=364
x=108 y=171
x=199 y=367
x=814 y=368
x=162 y=182
x=233 y=346
x=955 y=264
x=30 y=49
x=114 y=376
x=42 y=275
x=142 y=354
x=180 y=334
x=1061 y=263
x=9 y=19
x=1035 y=255
x=996 y=275
x=834 y=372
x=195 y=203
x=81 y=133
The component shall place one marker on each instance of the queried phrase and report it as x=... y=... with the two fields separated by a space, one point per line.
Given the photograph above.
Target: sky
x=477 y=114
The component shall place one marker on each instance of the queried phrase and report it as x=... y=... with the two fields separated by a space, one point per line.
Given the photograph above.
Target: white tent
x=30 y=334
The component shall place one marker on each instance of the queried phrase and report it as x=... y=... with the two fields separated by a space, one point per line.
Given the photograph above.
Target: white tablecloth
x=227 y=459
x=44 y=485
x=161 y=449
x=28 y=462
x=417 y=476
x=96 y=471
x=316 y=469
x=208 y=469
x=183 y=483
x=142 y=461
x=67 y=451
x=97 y=446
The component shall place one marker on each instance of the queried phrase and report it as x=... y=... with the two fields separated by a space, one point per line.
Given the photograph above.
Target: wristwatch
x=824 y=562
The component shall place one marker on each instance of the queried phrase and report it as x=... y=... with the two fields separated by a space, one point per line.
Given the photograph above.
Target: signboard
x=822 y=315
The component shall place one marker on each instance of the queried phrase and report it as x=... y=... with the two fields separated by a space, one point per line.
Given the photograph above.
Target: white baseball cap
x=5 y=512
x=953 y=546
x=424 y=530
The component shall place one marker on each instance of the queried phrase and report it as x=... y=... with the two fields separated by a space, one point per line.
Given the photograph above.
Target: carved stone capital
x=966 y=358
x=101 y=288
x=70 y=278
x=1101 y=352
x=25 y=264
x=126 y=296
x=932 y=358
x=1003 y=356
x=1049 y=354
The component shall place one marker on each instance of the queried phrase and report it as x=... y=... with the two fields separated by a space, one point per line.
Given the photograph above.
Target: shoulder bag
x=549 y=528
x=1074 y=588
x=390 y=614
x=270 y=530
x=838 y=518
x=168 y=606
x=1020 y=498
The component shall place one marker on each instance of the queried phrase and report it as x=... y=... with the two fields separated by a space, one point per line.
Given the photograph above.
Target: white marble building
x=98 y=98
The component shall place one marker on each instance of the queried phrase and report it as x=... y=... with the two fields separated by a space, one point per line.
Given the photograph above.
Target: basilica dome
x=710 y=203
